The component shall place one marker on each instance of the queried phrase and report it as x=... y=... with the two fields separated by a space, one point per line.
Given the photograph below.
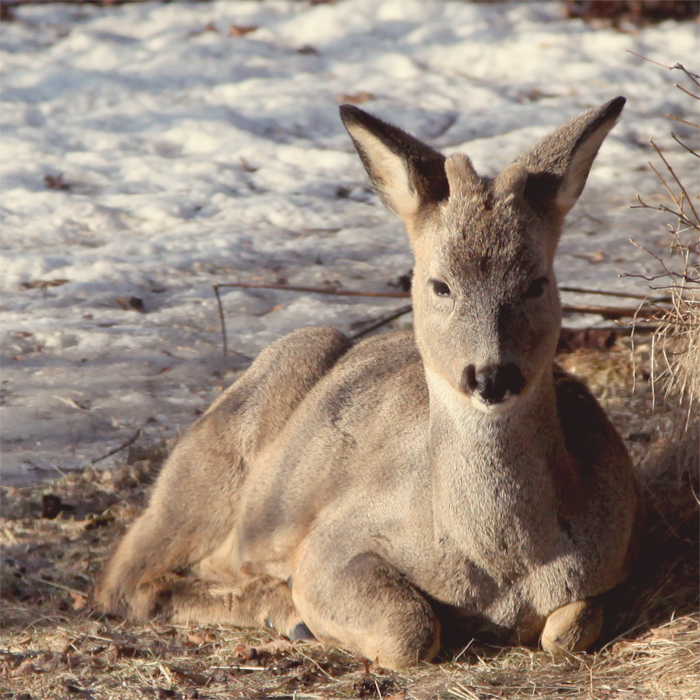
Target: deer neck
x=497 y=480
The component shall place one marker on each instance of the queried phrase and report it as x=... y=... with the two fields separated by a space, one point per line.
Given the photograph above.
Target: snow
x=182 y=155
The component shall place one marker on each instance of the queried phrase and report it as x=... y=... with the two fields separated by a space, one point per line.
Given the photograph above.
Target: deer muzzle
x=492 y=384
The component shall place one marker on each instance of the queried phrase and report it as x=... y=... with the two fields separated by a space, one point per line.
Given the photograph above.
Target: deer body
x=372 y=494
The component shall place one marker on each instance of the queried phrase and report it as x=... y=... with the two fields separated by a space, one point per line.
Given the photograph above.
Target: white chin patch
x=494 y=409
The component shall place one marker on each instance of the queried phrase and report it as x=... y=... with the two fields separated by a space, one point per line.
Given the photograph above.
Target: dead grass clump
x=618 y=13
x=677 y=341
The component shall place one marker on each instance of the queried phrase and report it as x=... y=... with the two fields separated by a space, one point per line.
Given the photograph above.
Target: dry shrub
x=665 y=580
x=676 y=346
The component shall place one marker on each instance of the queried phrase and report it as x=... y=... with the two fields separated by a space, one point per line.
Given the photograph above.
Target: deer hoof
x=301 y=633
x=573 y=627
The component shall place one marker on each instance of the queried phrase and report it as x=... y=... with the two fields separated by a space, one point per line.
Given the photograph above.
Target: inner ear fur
x=406 y=173
x=559 y=164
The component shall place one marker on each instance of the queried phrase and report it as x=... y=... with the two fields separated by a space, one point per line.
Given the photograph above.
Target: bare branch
x=401 y=311
x=687 y=92
x=678 y=182
x=315 y=290
x=683 y=121
x=222 y=320
x=687 y=148
x=121 y=447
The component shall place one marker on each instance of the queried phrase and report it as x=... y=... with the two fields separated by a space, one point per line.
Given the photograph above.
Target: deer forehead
x=477 y=234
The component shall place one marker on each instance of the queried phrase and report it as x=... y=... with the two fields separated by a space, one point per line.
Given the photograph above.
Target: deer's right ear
x=406 y=173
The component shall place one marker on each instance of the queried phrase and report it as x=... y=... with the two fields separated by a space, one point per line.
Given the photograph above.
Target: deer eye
x=536 y=288
x=440 y=288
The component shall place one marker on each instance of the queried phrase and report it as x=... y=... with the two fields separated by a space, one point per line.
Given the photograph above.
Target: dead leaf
x=43 y=284
x=247 y=167
x=55 y=182
x=273 y=648
x=276 y=307
x=27 y=666
x=594 y=257
x=571 y=339
x=131 y=304
x=236 y=30
x=184 y=674
x=356 y=98
x=201 y=638
x=51 y=506
x=79 y=600
x=126 y=651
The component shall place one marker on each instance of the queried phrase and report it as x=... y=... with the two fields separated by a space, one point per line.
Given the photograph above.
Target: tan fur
x=386 y=493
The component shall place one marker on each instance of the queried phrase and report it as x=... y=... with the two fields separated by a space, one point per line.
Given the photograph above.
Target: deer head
x=486 y=305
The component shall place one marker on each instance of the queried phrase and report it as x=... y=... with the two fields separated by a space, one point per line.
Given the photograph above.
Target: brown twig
x=679 y=204
x=60 y=586
x=683 y=121
x=687 y=148
x=401 y=311
x=662 y=207
x=121 y=447
x=615 y=312
x=222 y=320
x=621 y=295
x=392 y=295
x=677 y=66
x=607 y=312
x=314 y=290
x=687 y=92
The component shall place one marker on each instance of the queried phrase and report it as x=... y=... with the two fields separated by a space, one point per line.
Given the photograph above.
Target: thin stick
x=316 y=290
x=687 y=148
x=678 y=182
x=221 y=318
x=391 y=295
x=622 y=295
x=683 y=121
x=662 y=207
x=677 y=66
x=687 y=92
x=401 y=311
x=611 y=312
x=614 y=312
x=55 y=585
x=121 y=447
x=662 y=181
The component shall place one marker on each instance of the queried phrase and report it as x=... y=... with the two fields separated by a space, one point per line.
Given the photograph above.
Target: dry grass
x=676 y=344
x=53 y=645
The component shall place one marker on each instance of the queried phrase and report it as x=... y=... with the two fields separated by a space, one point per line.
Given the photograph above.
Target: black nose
x=493 y=382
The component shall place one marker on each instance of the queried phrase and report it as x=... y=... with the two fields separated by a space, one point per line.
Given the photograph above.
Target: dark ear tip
x=615 y=106
x=350 y=114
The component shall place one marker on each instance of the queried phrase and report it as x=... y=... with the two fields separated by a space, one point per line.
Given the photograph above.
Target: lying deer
x=371 y=495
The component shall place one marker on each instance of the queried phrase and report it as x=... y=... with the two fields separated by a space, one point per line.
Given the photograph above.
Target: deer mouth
x=494 y=406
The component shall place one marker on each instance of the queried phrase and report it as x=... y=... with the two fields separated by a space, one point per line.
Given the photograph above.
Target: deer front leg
x=260 y=601
x=573 y=627
x=365 y=605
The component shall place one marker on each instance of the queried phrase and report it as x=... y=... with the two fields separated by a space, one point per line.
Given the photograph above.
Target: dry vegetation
x=57 y=536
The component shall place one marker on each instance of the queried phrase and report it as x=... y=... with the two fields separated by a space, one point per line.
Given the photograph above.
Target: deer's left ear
x=559 y=164
x=406 y=173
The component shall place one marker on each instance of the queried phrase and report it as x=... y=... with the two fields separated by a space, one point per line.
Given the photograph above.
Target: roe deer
x=374 y=495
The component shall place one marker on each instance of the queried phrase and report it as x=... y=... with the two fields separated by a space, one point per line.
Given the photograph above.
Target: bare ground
x=56 y=537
